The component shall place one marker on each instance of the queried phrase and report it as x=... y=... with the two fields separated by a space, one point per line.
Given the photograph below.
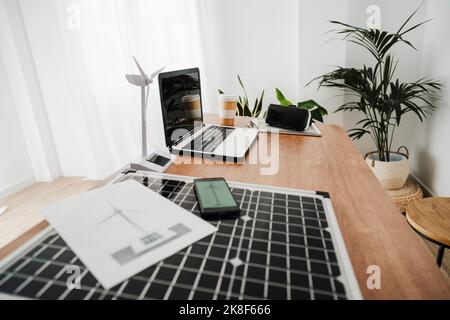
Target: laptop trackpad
x=237 y=143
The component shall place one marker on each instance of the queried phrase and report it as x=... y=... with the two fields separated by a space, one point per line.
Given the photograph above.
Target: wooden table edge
x=22 y=239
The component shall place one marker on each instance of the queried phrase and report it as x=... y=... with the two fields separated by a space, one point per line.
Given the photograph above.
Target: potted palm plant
x=381 y=98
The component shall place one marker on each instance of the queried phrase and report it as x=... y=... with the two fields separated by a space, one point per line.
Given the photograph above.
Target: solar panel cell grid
x=278 y=249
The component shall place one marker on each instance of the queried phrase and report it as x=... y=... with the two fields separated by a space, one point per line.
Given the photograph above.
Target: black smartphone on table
x=215 y=199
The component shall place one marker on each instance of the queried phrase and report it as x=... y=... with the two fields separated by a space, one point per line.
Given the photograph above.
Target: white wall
x=319 y=55
x=16 y=170
x=276 y=43
x=430 y=141
x=257 y=39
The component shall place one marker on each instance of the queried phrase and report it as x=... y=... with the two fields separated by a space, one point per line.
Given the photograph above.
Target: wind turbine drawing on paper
x=149 y=240
x=121 y=213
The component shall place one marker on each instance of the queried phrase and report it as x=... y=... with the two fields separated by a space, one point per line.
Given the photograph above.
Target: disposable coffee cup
x=227 y=109
x=192 y=106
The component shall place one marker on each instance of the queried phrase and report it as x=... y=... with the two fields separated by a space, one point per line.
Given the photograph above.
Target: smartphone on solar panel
x=215 y=199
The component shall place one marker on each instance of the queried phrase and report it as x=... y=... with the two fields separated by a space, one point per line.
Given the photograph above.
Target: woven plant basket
x=402 y=197
x=391 y=174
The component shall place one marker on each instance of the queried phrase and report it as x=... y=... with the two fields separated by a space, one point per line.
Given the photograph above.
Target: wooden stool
x=411 y=191
x=430 y=218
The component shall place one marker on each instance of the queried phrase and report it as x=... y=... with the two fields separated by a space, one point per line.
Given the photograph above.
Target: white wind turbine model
x=156 y=160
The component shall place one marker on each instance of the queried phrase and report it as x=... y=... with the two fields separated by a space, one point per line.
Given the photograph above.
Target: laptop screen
x=181 y=102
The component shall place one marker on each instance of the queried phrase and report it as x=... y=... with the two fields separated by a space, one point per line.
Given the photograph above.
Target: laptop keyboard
x=209 y=139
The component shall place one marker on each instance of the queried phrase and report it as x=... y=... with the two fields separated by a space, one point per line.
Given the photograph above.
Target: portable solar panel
x=285 y=245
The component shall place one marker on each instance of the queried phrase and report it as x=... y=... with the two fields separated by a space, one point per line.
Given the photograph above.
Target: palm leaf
x=410 y=17
x=281 y=98
x=377 y=42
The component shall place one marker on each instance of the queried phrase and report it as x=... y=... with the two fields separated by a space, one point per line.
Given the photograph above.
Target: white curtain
x=83 y=48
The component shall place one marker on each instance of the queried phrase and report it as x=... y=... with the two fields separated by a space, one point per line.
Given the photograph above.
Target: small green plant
x=317 y=111
x=243 y=105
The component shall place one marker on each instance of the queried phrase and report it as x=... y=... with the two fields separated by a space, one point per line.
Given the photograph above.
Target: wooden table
x=373 y=230
x=431 y=219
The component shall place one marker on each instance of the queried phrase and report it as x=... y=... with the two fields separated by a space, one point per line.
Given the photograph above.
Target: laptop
x=184 y=129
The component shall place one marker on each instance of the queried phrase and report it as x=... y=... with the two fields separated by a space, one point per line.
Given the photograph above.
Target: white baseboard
x=17 y=186
x=427 y=192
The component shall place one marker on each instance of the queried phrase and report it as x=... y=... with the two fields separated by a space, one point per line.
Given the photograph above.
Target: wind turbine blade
x=154 y=74
x=135 y=225
x=143 y=74
x=107 y=218
x=112 y=206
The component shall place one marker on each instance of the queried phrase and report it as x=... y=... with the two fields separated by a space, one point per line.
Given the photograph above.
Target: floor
x=24 y=207
x=446 y=262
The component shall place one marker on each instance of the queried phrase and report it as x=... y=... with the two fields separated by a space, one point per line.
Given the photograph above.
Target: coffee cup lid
x=190 y=98
x=228 y=98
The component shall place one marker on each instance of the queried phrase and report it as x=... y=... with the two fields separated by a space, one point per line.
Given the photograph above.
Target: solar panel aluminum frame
x=347 y=276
